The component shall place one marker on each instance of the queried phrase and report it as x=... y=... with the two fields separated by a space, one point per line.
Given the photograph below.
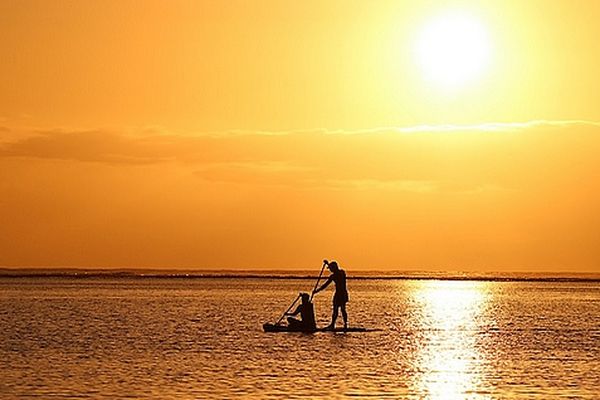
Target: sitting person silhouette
x=307 y=313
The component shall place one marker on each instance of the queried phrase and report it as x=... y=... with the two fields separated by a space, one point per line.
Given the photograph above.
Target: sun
x=453 y=50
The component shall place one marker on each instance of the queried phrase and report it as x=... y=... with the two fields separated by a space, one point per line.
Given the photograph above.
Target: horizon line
x=90 y=273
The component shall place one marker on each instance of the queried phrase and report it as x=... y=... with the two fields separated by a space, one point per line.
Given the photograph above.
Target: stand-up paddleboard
x=307 y=301
x=281 y=328
x=349 y=329
x=268 y=327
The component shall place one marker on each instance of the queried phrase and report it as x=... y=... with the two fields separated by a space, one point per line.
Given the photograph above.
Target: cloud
x=153 y=145
x=497 y=126
x=287 y=175
x=420 y=159
x=262 y=173
x=87 y=146
x=439 y=128
x=389 y=185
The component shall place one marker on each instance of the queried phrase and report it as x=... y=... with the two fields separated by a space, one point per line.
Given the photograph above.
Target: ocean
x=114 y=337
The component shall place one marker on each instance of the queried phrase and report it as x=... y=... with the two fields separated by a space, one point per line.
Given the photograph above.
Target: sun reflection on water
x=449 y=363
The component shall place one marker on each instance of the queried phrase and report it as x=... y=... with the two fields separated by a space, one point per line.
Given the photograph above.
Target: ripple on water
x=202 y=338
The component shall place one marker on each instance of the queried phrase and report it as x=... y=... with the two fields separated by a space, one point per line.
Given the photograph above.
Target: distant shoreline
x=73 y=273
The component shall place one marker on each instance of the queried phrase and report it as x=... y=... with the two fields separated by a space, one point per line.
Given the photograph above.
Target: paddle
x=325 y=262
x=288 y=310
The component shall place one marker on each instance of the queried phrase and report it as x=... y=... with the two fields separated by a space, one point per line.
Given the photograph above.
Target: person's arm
x=298 y=309
x=324 y=285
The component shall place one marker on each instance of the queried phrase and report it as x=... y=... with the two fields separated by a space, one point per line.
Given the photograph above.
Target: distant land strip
x=298 y=275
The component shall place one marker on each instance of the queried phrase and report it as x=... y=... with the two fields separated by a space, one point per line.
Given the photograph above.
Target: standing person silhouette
x=340 y=297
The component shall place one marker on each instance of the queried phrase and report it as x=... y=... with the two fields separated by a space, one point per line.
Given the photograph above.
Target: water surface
x=108 y=338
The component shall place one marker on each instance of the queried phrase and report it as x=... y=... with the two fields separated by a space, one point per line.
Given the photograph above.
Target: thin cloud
x=439 y=128
x=378 y=158
x=84 y=146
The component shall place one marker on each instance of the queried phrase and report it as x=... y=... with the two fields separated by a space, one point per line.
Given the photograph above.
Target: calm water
x=202 y=338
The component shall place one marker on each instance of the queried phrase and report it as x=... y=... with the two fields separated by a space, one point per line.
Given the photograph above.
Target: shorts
x=340 y=299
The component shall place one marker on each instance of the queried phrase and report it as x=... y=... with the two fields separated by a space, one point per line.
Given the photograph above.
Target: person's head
x=305 y=298
x=333 y=266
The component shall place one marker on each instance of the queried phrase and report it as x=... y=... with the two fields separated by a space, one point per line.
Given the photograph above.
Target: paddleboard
x=281 y=328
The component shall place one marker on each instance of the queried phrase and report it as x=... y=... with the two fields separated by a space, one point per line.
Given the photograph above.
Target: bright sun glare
x=452 y=50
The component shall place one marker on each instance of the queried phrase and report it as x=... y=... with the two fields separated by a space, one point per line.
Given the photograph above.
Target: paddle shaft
x=288 y=310
x=318 y=280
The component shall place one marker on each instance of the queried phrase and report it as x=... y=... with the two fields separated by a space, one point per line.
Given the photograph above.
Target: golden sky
x=272 y=134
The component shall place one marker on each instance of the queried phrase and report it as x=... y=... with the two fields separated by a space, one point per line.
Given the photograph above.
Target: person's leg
x=334 y=316
x=344 y=315
x=294 y=324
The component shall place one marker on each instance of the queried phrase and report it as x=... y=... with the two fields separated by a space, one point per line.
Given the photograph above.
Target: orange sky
x=274 y=134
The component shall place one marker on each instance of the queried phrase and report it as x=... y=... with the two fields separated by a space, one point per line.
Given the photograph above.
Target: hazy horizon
x=302 y=273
